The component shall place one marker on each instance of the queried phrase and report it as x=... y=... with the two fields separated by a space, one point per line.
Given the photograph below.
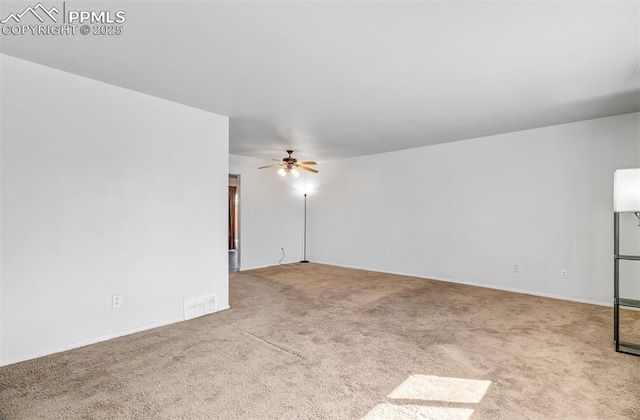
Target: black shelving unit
x=621 y=346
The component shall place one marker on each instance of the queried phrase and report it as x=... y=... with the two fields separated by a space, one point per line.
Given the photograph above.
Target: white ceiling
x=341 y=79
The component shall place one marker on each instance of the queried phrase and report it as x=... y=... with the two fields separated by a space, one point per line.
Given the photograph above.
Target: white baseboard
x=257 y=267
x=488 y=286
x=95 y=340
x=87 y=342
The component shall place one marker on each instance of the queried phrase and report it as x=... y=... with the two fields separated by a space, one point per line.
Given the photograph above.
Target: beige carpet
x=314 y=342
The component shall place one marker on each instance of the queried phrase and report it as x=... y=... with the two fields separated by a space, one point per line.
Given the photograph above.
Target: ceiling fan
x=291 y=165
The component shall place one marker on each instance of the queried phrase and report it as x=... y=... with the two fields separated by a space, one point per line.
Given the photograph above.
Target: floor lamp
x=304 y=245
x=626 y=199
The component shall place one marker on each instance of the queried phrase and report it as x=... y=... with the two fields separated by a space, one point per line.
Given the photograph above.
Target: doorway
x=234 y=225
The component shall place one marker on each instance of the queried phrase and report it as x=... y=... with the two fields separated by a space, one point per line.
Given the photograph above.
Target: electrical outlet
x=564 y=274
x=116 y=301
x=516 y=269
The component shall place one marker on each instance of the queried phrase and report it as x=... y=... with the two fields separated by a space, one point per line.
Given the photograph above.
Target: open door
x=234 y=236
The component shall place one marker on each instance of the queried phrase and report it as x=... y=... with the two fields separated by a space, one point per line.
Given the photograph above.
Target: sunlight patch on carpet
x=437 y=388
x=407 y=411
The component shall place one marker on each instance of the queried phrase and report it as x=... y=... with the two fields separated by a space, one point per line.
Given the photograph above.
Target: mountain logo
x=16 y=17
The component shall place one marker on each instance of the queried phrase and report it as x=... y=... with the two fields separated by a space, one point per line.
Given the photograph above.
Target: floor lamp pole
x=304 y=249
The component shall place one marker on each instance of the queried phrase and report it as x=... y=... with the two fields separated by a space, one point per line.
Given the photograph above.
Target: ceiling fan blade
x=270 y=166
x=307 y=163
x=315 y=171
x=277 y=160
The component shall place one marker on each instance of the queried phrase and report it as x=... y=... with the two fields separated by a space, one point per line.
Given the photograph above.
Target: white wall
x=468 y=211
x=104 y=191
x=271 y=213
x=1 y=125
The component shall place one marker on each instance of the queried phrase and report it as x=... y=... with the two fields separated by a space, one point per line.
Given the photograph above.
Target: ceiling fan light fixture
x=291 y=165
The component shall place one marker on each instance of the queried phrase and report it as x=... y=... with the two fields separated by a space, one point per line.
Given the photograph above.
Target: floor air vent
x=200 y=306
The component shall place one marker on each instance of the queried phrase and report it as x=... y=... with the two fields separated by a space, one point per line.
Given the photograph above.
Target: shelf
x=621 y=346
x=627 y=257
x=629 y=303
x=629 y=348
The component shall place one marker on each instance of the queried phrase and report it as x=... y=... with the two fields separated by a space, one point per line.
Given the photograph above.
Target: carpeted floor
x=320 y=342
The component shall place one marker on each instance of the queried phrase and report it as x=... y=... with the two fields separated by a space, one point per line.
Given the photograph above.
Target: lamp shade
x=626 y=190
